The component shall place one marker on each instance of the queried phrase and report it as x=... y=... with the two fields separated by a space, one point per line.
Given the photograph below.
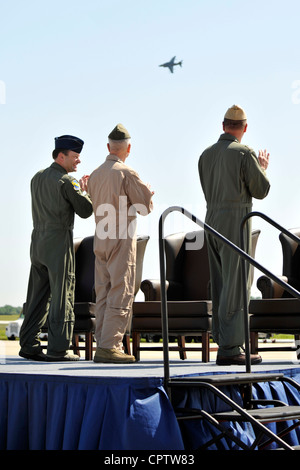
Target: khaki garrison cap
x=119 y=133
x=235 y=113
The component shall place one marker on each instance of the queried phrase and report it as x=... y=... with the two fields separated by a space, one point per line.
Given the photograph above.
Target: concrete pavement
x=11 y=348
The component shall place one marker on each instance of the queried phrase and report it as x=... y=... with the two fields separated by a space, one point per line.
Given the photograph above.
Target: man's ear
x=60 y=157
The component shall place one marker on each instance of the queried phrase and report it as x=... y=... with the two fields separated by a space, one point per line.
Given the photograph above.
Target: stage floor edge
x=86 y=406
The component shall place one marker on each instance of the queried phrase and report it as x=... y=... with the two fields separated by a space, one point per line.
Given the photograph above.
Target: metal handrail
x=242 y=254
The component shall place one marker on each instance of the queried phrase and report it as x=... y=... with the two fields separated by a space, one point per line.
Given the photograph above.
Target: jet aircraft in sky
x=171 y=64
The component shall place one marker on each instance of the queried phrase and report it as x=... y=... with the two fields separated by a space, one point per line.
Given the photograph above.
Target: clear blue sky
x=80 y=67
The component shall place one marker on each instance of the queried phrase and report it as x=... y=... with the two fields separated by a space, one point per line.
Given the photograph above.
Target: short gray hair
x=119 y=144
x=231 y=124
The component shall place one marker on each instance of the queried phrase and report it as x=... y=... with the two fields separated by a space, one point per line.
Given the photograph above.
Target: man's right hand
x=263 y=159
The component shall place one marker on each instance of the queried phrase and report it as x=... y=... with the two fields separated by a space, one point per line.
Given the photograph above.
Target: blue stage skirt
x=57 y=413
x=41 y=412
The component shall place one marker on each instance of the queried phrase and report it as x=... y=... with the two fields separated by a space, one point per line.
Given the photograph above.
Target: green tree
x=9 y=310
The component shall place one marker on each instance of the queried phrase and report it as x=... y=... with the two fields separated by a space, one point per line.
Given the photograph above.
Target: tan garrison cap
x=235 y=113
x=119 y=133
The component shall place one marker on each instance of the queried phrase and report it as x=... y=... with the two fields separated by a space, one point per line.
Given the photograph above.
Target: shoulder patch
x=75 y=185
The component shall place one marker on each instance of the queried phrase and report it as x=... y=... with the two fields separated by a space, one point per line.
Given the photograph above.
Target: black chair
x=188 y=296
x=278 y=311
x=84 y=306
x=84 y=297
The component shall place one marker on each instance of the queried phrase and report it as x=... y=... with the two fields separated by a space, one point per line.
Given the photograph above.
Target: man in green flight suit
x=230 y=174
x=56 y=197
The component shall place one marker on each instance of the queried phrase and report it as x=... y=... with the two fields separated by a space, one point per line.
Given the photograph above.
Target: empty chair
x=189 y=304
x=278 y=311
x=188 y=295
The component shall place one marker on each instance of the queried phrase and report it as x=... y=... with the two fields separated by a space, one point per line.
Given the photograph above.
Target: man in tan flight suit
x=56 y=197
x=230 y=174
x=117 y=194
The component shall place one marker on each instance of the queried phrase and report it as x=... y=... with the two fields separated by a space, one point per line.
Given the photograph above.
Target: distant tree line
x=9 y=310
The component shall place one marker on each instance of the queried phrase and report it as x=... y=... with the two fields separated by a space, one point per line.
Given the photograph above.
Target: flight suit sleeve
x=138 y=193
x=81 y=203
x=255 y=177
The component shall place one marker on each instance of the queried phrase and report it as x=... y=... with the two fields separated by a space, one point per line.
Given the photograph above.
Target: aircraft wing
x=170 y=64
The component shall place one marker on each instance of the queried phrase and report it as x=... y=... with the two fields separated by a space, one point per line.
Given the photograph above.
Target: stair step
x=226 y=379
x=263 y=415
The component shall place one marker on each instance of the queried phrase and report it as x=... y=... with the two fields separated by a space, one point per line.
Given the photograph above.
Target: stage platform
x=87 y=406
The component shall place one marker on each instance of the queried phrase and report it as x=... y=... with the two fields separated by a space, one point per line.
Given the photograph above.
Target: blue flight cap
x=69 y=142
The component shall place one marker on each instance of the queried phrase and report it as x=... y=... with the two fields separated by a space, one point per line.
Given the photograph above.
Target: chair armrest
x=151 y=289
x=269 y=288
